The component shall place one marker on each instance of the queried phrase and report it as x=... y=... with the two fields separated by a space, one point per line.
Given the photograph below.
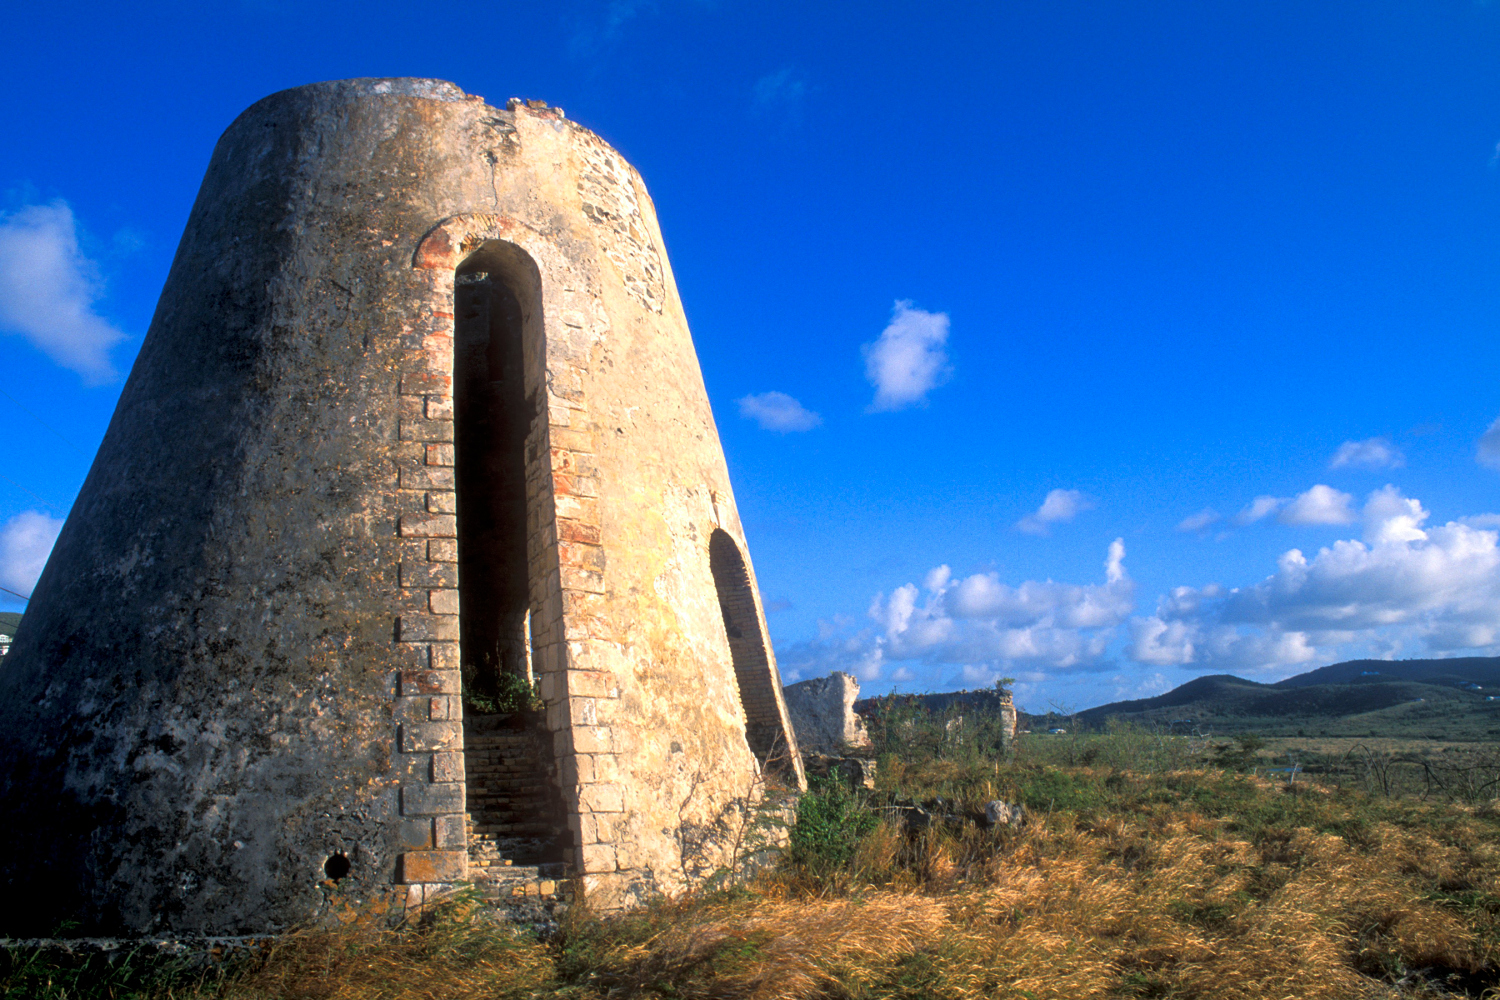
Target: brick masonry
x=428 y=709
x=514 y=815
x=576 y=636
x=565 y=558
x=766 y=726
x=254 y=599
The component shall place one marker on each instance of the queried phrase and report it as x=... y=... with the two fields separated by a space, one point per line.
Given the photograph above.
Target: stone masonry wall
x=765 y=727
x=514 y=816
x=241 y=660
x=822 y=711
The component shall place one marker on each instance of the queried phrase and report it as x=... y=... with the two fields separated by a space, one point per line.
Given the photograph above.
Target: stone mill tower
x=418 y=421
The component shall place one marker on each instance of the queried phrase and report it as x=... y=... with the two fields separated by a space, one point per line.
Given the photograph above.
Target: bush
x=1196 y=884
x=511 y=693
x=831 y=822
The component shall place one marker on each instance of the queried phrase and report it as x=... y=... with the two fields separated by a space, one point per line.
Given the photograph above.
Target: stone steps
x=544 y=882
x=508 y=797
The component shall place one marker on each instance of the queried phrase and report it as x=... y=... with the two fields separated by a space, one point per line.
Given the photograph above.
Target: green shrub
x=511 y=693
x=831 y=822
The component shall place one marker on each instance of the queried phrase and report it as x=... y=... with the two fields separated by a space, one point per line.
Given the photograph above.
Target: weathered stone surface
x=856 y=772
x=822 y=713
x=197 y=712
x=998 y=813
x=433 y=866
x=1007 y=722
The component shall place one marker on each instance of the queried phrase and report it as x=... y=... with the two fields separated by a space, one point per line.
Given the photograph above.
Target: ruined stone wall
x=241 y=662
x=822 y=712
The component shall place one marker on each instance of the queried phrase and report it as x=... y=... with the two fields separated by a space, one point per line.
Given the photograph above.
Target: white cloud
x=1059 y=506
x=1371 y=453
x=1161 y=643
x=1114 y=562
x=25 y=542
x=1133 y=685
x=776 y=411
x=1403 y=587
x=973 y=630
x=1319 y=505
x=1391 y=517
x=1488 y=452
x=1200 y=521
x=981 y=620
x=1260 y=507
x=859 y=654
x=48 y=289
x=908 y=360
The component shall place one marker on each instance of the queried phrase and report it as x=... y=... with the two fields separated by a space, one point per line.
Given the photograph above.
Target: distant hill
x=1483 y=670
x=8 y=622
x=1441 y=699
x=1444 y=699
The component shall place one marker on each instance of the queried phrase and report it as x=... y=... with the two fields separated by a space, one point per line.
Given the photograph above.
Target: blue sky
x=1099 y=345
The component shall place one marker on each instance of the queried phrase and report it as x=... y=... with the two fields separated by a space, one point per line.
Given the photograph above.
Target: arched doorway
x=764 y=729
x=513 y=806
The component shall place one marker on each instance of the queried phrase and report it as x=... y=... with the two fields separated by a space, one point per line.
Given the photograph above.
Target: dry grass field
x=1189 y=883
x=1276 y=746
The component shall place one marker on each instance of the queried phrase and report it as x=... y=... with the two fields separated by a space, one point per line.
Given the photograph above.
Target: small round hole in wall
x=336 y=867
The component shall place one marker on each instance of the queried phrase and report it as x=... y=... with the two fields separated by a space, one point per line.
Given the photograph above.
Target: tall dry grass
x=1210 y=886
x=1189 y=885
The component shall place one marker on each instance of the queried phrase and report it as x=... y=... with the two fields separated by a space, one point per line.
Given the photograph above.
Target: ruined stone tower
x=418 y=412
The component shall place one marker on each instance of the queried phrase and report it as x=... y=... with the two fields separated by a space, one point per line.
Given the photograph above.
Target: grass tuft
x=1182 y=884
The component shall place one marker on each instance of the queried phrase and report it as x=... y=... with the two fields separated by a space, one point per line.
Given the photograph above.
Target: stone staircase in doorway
x=516 y=853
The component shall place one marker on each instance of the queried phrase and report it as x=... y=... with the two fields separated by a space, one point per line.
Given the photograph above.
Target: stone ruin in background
x=418 y=422
x=830 y=734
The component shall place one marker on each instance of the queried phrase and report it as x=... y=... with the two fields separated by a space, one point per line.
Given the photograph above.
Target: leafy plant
x=831 y=822
x=511 y=693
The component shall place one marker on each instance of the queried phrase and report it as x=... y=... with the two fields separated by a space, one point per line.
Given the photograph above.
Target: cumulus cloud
x=1059 y=506
x=25 y=542
x=1402 y=586
x=975 y=627
x=1489 y=446
x=1391 y=517
x=48 y=289
x=1161 y=642
x=1319 y=505
x=1201 y=521
x=981 y=619
x=776 y=411
x=858 y=653
x=1114 y=562
x=909 y=359
x=1257 y=509
x=1371 y=453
